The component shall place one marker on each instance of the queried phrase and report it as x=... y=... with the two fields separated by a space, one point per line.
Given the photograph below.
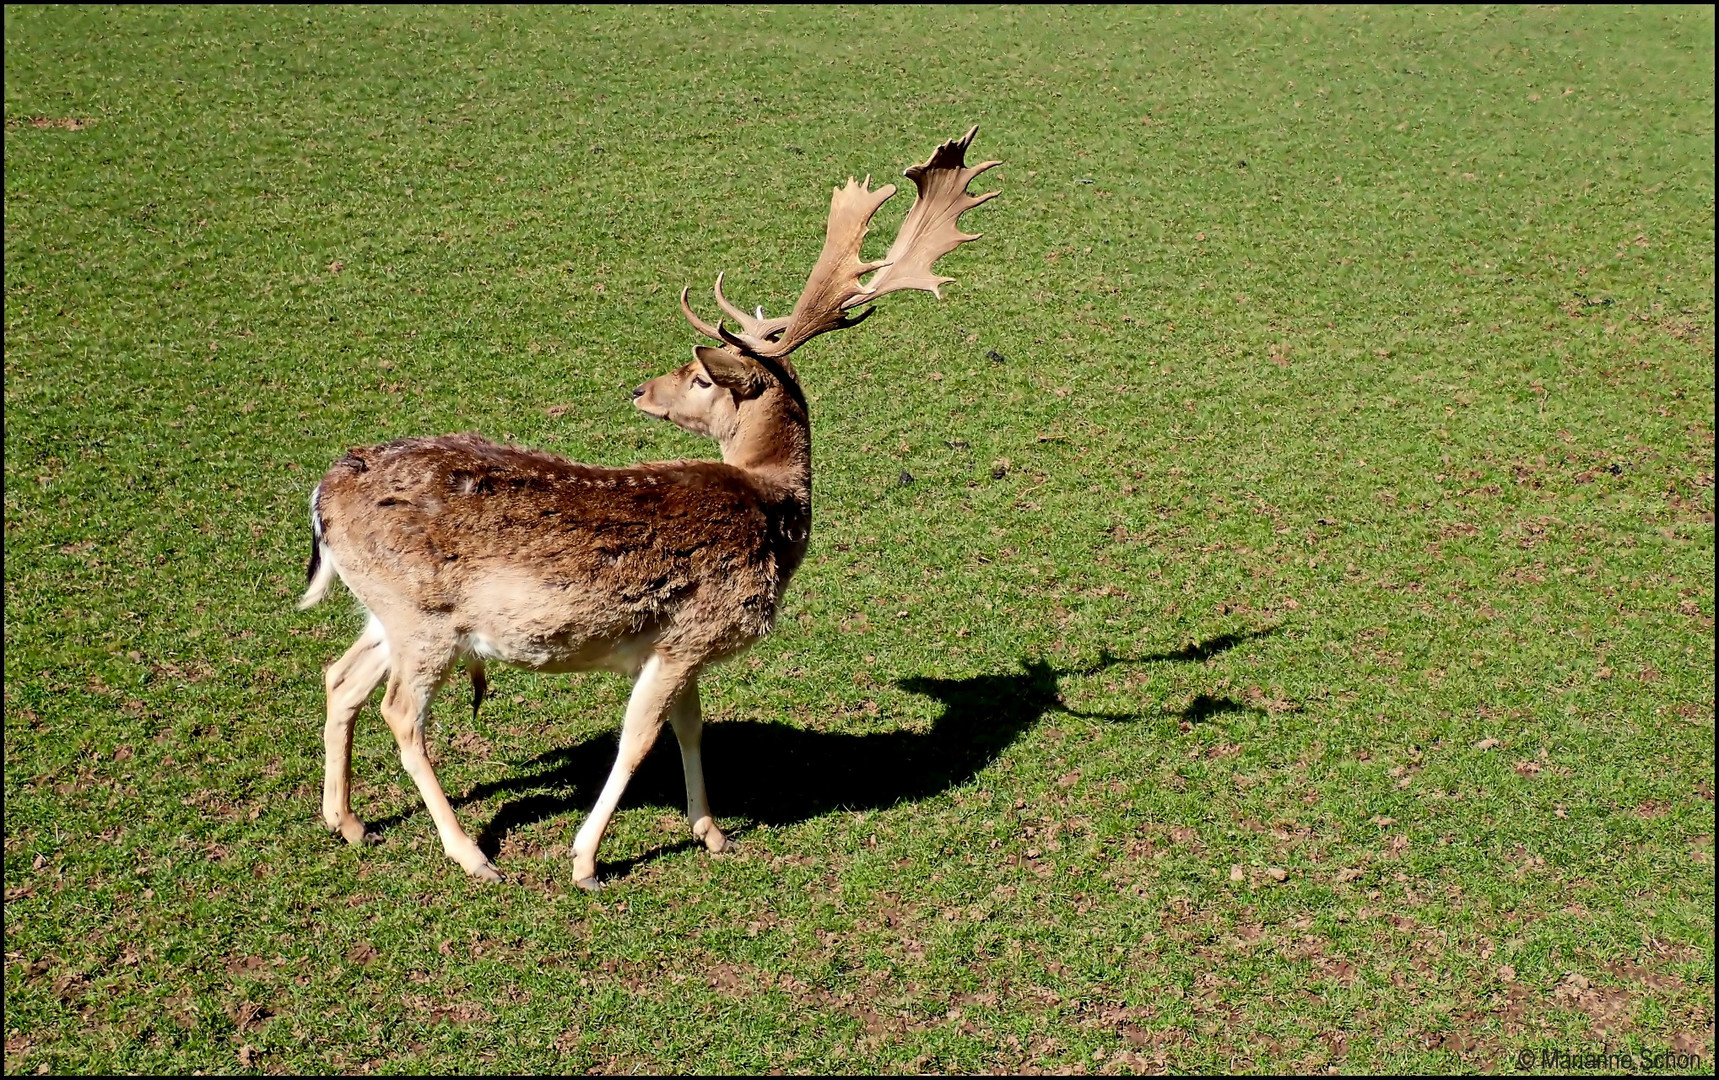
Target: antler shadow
x=776 y=774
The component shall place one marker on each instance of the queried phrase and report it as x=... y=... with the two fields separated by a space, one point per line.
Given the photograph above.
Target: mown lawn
x=1293 y=649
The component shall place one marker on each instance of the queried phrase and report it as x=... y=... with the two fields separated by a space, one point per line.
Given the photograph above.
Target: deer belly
x=529 y=623
x=562 y=625
x=624 y=653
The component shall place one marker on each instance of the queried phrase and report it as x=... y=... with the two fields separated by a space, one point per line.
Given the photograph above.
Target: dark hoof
x=485 y=873
x=353 y=832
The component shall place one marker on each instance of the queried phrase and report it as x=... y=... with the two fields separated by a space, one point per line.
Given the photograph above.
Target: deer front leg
x=410 y=687
x=349 y=682
x=659 y=682
x=689 y=732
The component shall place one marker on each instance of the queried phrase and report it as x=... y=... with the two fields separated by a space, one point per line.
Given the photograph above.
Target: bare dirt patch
x=64 y=123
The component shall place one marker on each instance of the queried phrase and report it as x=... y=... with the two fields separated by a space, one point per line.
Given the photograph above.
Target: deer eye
x=700 y=383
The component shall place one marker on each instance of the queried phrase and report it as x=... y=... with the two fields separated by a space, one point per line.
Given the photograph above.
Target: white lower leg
x=404 y=707
x=656 y=687
x=458 y=846
x=349 y=683
x=689 y=732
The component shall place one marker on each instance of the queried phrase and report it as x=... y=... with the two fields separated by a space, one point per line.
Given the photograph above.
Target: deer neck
x=772 y=440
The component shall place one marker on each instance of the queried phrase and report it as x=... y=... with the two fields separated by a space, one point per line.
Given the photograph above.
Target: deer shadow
x=772 y=773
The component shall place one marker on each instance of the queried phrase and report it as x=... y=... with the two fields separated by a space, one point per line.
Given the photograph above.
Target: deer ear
x=735 y=372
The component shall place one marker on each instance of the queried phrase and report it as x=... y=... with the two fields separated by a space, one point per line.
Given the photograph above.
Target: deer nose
x=638 y=391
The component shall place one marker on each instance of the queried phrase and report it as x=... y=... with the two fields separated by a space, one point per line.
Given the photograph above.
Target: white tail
x=321 y=573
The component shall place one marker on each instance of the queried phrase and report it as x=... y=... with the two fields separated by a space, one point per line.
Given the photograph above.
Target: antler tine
x=716 y=333
x=931 y=230
x=735 y=313
x=757 y=334
x=755 y=326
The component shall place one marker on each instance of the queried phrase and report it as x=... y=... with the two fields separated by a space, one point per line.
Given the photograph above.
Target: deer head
x=746 y=386
x=705 y=396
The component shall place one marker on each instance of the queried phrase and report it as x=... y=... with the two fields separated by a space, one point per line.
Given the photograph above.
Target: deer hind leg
x=349 y=681
x=659 y=683
x=411 y=686
x=689 y=732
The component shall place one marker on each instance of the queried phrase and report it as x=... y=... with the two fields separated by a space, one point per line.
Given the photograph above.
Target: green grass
x=1139 y=730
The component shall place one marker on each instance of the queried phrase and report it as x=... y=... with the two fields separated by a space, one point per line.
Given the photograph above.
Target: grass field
x=1294 y=649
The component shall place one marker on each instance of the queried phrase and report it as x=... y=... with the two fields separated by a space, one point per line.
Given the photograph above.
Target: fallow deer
x=464 y=551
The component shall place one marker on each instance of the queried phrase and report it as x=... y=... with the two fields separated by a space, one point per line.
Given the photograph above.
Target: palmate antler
x=930 y=231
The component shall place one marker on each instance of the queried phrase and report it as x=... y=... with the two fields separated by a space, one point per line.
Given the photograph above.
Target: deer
x=463 y=552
